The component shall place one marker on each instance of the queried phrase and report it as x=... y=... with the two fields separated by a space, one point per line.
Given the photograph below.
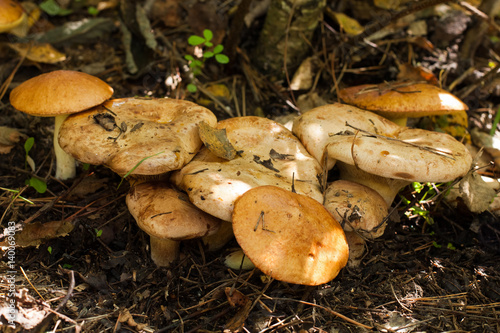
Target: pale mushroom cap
x=11 y=15
x=269 y=155
x=289 y=236
x=162 y=133
x=416 y=155
x=59 y=92
x=356 y=207
x=400 y=99
x=166 y=213
x=315 y=127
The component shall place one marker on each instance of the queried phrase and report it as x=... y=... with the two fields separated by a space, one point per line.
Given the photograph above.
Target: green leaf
x=67 y=266
x=49 y=249
x=222 y=58
x=207 y=33
x=29 y=144
x=137 y=165
x=39 y=185
x=191 y=88
x=495 y=123
x=98 y=233
x=189 y=57
x=51 y=7
x=93 y=11
x=196 y=40
x=209 y=44
x=218 y=48
x=208 y=54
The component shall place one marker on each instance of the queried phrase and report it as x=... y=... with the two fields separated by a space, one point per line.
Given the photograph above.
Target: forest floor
x=86 y=267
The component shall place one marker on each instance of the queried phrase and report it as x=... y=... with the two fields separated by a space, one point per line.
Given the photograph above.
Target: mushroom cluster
x=267 y=187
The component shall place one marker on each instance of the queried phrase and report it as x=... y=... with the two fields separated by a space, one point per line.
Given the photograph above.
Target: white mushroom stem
x=388 y=188
x=65 y=163
x=164 y=251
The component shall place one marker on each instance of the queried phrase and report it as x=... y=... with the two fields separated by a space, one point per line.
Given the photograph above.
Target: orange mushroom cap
x=401 y=99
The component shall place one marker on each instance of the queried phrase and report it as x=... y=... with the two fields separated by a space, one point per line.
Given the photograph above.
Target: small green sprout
x=39 y=185
x=49 y=249
x=208 y=51
x=136 y=166
x=98 y=233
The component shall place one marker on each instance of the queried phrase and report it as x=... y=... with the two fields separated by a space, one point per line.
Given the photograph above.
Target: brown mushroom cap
x=168 y=217
x=162 y=133
x=289 y=236
x=59 y=92
x=11 y=15
x=401 y=99
x=358 y=207
x=269 y=155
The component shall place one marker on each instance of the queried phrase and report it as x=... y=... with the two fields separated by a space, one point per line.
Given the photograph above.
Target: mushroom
x=168 y=217
x=58 y=94
x=11 y=15
x=360 y=210
x=400 y=100
x=236 y=259
x=357 y=207
x=289 y=236
x=143 y=136
x=269 y=154
x=368 y=144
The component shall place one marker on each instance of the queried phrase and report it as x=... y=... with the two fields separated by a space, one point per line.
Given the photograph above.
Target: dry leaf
x=216 y=141
x=348 y=24
x=235 y=297
x=36 y=233
x=476 y=194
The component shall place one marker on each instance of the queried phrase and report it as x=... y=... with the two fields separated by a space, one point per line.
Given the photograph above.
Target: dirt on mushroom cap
x=269 y=155
x=162 y=133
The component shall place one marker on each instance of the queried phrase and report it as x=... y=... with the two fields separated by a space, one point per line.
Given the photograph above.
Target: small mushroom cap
x=289 y=236
x=401 y=99
x=269 y=155
x=11 y=15
x=356 y=207
x=165 y=213
x=162 y=133
x=59 y=92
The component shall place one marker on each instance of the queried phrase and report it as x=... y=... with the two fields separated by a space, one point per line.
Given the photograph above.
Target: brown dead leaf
x=168 y=11
x=476 y=194
x=242 y=301
x=235 y=297
x=348 y=24
x=216 y=141
x=408 y=72
x=36 y=233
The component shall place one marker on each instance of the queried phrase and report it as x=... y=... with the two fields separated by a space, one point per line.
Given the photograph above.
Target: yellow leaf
x=216 y=141
x=43 y=53
x=348 y=24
